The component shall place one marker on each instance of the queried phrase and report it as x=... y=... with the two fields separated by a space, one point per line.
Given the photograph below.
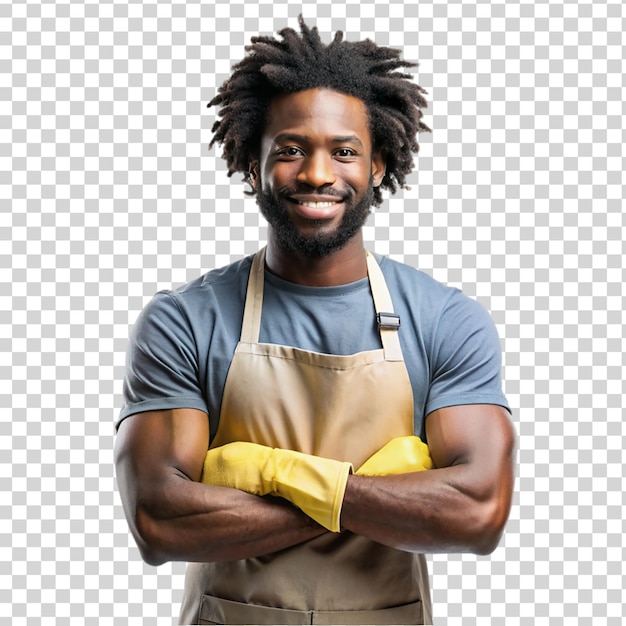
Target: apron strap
x=251 y=325
x=384 y=309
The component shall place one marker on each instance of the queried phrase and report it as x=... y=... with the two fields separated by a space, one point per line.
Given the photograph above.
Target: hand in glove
x=400 y=456
x=314 y=484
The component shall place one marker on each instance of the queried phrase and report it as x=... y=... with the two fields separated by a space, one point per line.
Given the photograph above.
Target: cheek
x=358 y=178
x=278 y=175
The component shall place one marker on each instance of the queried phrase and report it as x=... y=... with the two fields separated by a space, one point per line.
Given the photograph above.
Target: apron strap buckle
x=388 y=321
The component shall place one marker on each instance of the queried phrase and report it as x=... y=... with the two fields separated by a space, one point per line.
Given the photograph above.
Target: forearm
x=189 y=521
x=433 y=511
x=173 y=516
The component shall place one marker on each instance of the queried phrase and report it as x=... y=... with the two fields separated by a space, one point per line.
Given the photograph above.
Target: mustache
x=287 y=192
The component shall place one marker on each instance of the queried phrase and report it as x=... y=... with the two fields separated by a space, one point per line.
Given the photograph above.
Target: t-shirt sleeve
x=161 y=361
x=466 y=357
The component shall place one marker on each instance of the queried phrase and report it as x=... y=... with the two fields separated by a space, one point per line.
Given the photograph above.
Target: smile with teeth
x=316 y=205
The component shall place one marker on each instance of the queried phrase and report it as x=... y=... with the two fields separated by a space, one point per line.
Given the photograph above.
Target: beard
x=321 y=244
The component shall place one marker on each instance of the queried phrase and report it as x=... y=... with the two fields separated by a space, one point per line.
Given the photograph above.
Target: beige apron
x=344 y=407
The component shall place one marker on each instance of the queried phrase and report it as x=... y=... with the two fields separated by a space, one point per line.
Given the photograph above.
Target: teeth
x=317 y=205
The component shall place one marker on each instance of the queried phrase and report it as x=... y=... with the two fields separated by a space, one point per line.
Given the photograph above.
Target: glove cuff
x=345 y=470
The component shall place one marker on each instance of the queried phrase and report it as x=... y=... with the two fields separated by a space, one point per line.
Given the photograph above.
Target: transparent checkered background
x=108 y=192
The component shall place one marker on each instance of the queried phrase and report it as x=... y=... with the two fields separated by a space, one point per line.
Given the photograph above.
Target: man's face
x=316 y=171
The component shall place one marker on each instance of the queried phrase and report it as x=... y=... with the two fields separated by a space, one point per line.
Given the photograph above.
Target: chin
x=322 y=243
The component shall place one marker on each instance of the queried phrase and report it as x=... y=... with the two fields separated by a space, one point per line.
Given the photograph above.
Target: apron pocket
x=406 y=614
x=215 y=610
x=219 y=611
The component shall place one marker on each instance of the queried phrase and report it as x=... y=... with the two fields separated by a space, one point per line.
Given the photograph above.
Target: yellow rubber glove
x=240 y=465
x=314 y=484
x=400 y=456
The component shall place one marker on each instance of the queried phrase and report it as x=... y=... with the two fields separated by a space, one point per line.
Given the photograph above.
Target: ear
x=379 y=167
x=253 y=173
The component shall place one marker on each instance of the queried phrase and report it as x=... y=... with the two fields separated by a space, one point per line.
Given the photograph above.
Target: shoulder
x=404 y=276
x=215 y=288
x=419 y=290
x=436 y=309
x=214 y=280
x=188 y=313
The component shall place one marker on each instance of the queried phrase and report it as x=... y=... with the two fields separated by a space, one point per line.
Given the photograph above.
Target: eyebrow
x=295 y=137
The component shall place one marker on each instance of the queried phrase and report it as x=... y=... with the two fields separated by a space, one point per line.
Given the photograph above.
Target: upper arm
x=465 y=357
x=162 y=364
x=154 y=447
x=481 y=437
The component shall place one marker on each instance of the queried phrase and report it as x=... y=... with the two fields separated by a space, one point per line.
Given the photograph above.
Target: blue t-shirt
x=184 y=340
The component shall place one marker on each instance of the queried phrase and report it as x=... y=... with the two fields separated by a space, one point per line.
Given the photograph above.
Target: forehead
x=318 y=112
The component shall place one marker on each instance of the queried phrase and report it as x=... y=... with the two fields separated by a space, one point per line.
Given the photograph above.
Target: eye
x=345 y=153
x=289 y=151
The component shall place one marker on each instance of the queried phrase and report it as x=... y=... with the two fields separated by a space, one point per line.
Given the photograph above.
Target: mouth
x=317 y=207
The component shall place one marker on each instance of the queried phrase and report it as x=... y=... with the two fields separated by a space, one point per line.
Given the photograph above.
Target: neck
x=343 y=266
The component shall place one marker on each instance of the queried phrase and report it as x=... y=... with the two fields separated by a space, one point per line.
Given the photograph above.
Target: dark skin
x=159 y=457
x=461 y=506
x=317 y=141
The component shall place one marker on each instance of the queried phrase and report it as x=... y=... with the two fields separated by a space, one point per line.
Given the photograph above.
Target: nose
x=317 y=170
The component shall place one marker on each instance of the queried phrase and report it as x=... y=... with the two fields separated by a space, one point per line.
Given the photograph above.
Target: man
x=313 y=372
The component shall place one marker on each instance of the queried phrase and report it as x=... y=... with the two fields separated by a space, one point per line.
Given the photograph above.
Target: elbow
x=149 y=538
x=152 y=557
x=486 y=543
x=490 y=527
x=493 y=506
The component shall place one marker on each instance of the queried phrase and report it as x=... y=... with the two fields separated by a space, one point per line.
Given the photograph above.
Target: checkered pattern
x=108 y=192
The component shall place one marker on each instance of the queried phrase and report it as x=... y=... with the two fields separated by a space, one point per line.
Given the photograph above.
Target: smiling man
x=303 y=425
x=317 y=208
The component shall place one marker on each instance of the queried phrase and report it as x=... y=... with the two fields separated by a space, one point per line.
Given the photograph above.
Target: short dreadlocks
x=300 y=62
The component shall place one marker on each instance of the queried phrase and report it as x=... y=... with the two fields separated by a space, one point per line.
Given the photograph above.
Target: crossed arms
x=460 y=506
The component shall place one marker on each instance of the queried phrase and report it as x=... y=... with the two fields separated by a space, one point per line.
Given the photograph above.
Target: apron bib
x=344 y=407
